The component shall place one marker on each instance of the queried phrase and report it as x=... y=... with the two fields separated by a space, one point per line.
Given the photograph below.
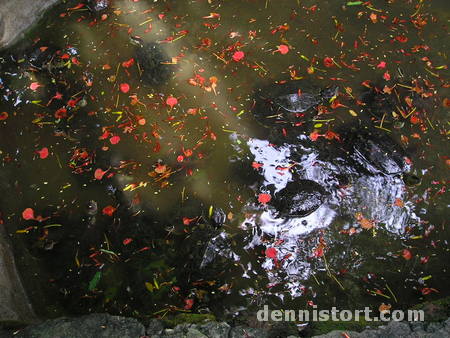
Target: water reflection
x=360 y=181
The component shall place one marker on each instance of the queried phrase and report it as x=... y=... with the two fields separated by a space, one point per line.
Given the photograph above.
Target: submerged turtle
x=154 y=62
x=302 y=101
x=275 y=103
x=299 y=198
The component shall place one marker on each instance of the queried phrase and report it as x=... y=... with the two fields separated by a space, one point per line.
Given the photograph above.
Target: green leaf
x=94 y=281
x=354 y=3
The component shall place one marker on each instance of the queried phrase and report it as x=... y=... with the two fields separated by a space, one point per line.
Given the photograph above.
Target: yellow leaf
x=149 y=286
x=210 y=213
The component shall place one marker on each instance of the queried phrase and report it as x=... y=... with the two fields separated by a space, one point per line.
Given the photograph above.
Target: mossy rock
x=319 y=328
x=189 y=318
x=435 y=311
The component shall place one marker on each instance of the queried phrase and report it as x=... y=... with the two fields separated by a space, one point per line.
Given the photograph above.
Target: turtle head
x=329 y=92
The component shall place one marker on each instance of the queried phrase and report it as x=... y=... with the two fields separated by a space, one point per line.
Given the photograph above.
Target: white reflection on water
x=372 y=194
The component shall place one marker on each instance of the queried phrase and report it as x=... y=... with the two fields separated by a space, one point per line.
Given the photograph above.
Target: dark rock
x=215 y=329
x=241 y=331
x=154 y=327
x=94 y=325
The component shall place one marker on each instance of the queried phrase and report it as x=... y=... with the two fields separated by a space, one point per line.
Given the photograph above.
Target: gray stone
x=416 y=326
x=397 y=329
x=339 y=334
x=215 y=330
x=14 y=304
x=154 y=327
x=432 y=327
x=16 y=16
x=240 y=331
x=439 y=334
x=97 y=325
x=194 y=333
x=447 y=323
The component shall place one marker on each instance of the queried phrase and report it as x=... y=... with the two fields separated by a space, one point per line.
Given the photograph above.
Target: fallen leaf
x=383 y=308
x=399 y=203
x=364 y=222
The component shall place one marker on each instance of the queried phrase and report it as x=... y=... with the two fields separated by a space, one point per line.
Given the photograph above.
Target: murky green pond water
x=148 y=199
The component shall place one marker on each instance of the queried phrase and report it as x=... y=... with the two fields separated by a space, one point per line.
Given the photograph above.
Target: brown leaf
x=384 y=308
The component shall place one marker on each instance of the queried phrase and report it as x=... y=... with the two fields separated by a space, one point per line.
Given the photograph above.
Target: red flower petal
x=124 y=88
x=314 y=136
x=406 y=254
x=387 y=76
x=108 y=210
x=114 y=139
x=3 y=116
x=188 y=303
x=264 y=198
x=283 y=49
x=99 y=173
x=414 y=119
x=257 y=165
x=328 y=62
x=271 y=253
x=128 y=64
x=43 y=153
x=28 y=214
x=382 y=64
x=127 y=241
x=238 y=56
x=35 y=85
x=171 y=101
